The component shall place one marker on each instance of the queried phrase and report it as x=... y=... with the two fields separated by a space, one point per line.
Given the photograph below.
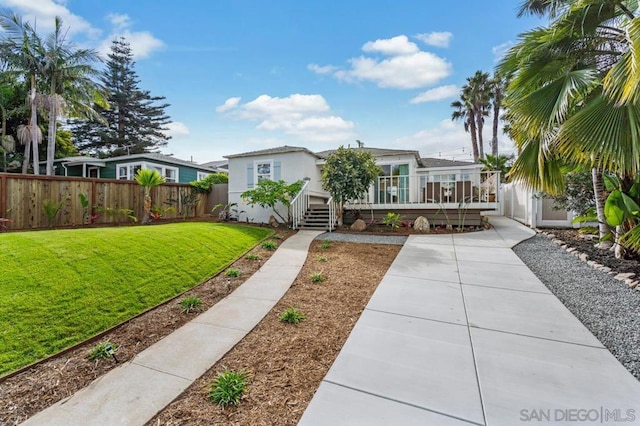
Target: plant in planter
x=392 y=220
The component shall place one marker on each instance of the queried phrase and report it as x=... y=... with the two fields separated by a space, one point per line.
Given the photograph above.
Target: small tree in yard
x=348 y=174
x=270 y=193
x=148 y=179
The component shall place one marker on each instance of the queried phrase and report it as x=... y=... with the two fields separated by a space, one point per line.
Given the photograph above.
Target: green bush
x=317 y=278
x=323 y=259
x=252 y=256
x=392 y=220
x=326 y=244
x=269 y=245
x=228 y=387
x=203 y=186
x=190 y=304
x=233 y=272
x=292 y=316
x=102 y=350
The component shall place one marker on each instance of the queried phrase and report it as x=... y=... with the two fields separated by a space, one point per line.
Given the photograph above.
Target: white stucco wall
x=293 y=166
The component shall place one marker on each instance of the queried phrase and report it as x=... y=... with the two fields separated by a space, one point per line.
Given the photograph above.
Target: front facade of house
x=408 y=183
x=125 y=167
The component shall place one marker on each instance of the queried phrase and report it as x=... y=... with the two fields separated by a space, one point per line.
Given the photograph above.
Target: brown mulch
x=287 y=362
x=404 y=230
x=44 y=384
x=586 y=244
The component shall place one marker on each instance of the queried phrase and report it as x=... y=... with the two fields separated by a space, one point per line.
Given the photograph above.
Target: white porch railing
x=300 y=205
x=468 y=188
x=332 y=214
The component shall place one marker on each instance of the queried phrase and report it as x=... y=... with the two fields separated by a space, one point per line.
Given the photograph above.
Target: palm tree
x=497 y=163
x=20 y=46
x=68 y=72
x=498 y=85
x=480 y=92
x=558 y=107
x=463 y=110
x=148 y=179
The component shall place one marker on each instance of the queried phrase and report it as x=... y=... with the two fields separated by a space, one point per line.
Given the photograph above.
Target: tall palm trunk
x=51 y=138
x=474 y=135
x=480 y=138
x=598 y=192
x=34 y=130
x=494 y=130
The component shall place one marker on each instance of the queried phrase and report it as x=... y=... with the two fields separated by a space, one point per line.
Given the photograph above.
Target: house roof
x=377 y=152
x=278 y=150
x=147 y=156
x=218 y=164
x=441 y=162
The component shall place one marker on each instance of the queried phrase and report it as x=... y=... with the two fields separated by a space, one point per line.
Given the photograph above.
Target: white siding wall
x=293 y=166
x=522 y=205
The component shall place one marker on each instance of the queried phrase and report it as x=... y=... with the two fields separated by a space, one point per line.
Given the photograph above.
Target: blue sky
x=242 y=75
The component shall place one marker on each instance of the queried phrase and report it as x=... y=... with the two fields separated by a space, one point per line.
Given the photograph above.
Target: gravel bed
x=607 y=307
x=363 y=238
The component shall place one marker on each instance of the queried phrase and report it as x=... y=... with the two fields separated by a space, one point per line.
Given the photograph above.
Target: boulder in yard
x=359 y=225
x=421 y=224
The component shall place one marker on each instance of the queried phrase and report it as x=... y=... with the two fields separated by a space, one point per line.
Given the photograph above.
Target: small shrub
x=269 y=245
x=252 y=256
x=392 y=220
x=326 y=244
x=277 y=237
x=292 y=316
x=323 y=259
x=317 y=278
x=228 y=387
x=190 y=304
x=591 y=230
x=233 y=272
x=102 y=350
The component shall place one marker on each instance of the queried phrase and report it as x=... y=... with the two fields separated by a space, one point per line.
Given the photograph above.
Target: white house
x=409 y=184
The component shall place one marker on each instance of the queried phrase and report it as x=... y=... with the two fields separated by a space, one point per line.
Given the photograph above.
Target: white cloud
x=43 y=13
x=500 y=50
x=437 y=39
x=177 y=129
x=119 y=20
x=413 y=71
x=229 y=104
x=437 y=94
x=405 y=67
x=326 y=69
x=307 y=117
x=399 y=45
x=142 y=43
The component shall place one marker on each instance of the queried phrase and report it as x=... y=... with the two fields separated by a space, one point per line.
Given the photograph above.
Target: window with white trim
x=263 y=171
x=128 y=171
x=202 y=175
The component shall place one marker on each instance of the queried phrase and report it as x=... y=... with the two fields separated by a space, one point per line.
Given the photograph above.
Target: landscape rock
x=571 y=249
x=605 y=269
x=624 y=276
x=632 y=283
x=421 y=224
x=359 y=225
x=584 y=257
x=273 y=221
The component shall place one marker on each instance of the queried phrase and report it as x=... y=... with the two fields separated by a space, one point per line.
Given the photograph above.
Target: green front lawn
x=58 y=288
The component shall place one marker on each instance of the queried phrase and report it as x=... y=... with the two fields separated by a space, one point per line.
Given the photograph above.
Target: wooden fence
x=23 y=199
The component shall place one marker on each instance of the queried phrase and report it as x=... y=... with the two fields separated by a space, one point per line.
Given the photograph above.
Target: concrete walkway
x=136 y=391
x=460 y=331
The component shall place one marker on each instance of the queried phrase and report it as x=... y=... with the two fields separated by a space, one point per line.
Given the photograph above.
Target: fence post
x=3 y=193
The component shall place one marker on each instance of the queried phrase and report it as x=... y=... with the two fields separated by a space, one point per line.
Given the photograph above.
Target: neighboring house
x=125 y=166
x=409 y=184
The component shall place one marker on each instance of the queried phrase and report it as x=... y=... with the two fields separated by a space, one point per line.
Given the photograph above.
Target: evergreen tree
x=135 y=119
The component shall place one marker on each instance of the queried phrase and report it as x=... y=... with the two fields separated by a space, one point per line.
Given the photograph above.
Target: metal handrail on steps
x=300 y=205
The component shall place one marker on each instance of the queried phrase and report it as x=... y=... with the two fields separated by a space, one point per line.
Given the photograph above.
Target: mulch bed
x=404 y=230
x=287 y=362
x=44 y=384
